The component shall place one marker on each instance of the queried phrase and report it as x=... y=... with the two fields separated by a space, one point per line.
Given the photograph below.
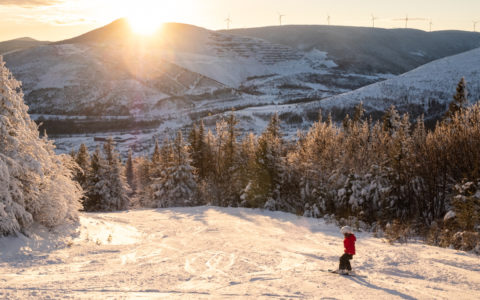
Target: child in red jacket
x=349 y=245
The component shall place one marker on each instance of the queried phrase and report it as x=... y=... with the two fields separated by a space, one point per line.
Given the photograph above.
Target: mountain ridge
x=373 y=49
x=19 y=44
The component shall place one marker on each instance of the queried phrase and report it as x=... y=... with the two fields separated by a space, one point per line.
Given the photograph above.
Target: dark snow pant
x=345 y=262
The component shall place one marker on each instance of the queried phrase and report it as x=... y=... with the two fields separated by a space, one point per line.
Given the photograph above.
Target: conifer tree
x=199 y=150
x=94 y=197
x=82 y=158
x=35 y=184
x=130 y=172
x=176 y=185
x=107 y=187
x=231 y=163
x=359 y=113
x=116 y=198
x=231 y=144
x=347 y=123
x=247 y=170
x=143 y=180
x=267 y=181
x=156 y=157
x=391 y=120
x=459 y=102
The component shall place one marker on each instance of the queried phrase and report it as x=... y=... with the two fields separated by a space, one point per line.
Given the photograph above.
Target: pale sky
x=60 y=19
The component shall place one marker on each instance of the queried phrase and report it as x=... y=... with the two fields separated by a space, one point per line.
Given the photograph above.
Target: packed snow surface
x=219 y=253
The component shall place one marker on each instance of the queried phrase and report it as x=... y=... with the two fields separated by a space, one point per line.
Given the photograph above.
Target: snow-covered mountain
x=19 y=44
x=227 y=58
x=110 y=71
x=426 y=90
x=224 y=253
x=110 y=80
x=77 y=79
x=369 y=50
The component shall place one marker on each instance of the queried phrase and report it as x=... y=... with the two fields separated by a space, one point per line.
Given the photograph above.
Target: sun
x=147 y=16
x=144 y=25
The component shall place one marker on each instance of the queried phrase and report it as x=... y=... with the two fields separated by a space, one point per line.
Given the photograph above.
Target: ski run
x=223 y=253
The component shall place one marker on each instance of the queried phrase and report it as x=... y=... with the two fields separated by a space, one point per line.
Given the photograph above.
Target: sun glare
x=144 y=25
x=147 y=16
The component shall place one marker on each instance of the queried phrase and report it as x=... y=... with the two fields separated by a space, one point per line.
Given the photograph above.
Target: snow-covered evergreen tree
x=459 y=102
x=156 y=156
x=95 y=180
x=391 y=119
x=117 y=198
x=130 y=172
x=143 y=180
x=200 y=150
x=35 y=184
x=82 y=158
x=269 y=157
x=176 y=185
x=107 y=187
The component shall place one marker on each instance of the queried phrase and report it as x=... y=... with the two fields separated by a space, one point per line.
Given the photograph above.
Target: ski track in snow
x=218 y=253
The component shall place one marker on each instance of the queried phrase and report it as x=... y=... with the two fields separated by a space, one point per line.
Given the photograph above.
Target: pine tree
x=158 y=175
x=176 y=185
x=231 y=143
x=268 y=177
x=231 y=163
x=247 y=170
x=391 y=120
x=107 y=187
x=347 y=123
x=82 y=158
x=94 y=197
x=116 y=198
x=459 y=102
x=199 y=150
x=359 y=113
x=35 y=184
x=130 y=172
x=143 y=180
x=156 y=157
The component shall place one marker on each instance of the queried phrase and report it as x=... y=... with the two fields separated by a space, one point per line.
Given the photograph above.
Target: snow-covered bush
x=466 y=241
x=311 y=211
x=35 y=184
x=466 y=205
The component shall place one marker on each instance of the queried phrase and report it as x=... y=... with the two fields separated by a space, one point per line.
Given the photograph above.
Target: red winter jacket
x=349 y=244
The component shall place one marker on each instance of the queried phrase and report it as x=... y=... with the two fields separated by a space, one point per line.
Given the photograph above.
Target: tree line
x=393 y=174
x=380 y=173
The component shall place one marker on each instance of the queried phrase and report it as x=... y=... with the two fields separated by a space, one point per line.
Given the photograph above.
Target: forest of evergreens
x=392 y=175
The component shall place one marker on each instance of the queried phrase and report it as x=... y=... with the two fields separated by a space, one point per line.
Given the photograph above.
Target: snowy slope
x=19 y=44
x=110 y=71
x=224 y=253
x=366 y=49
x=75 y=79
x=428 y=89
x=227 y=58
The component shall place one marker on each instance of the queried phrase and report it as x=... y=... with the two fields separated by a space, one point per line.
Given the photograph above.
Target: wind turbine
x=373 y=20
x=280 y=16
x=406 y=19
x=328 y=19
x=475 y=26
x=228 y=21
x=430 y=23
